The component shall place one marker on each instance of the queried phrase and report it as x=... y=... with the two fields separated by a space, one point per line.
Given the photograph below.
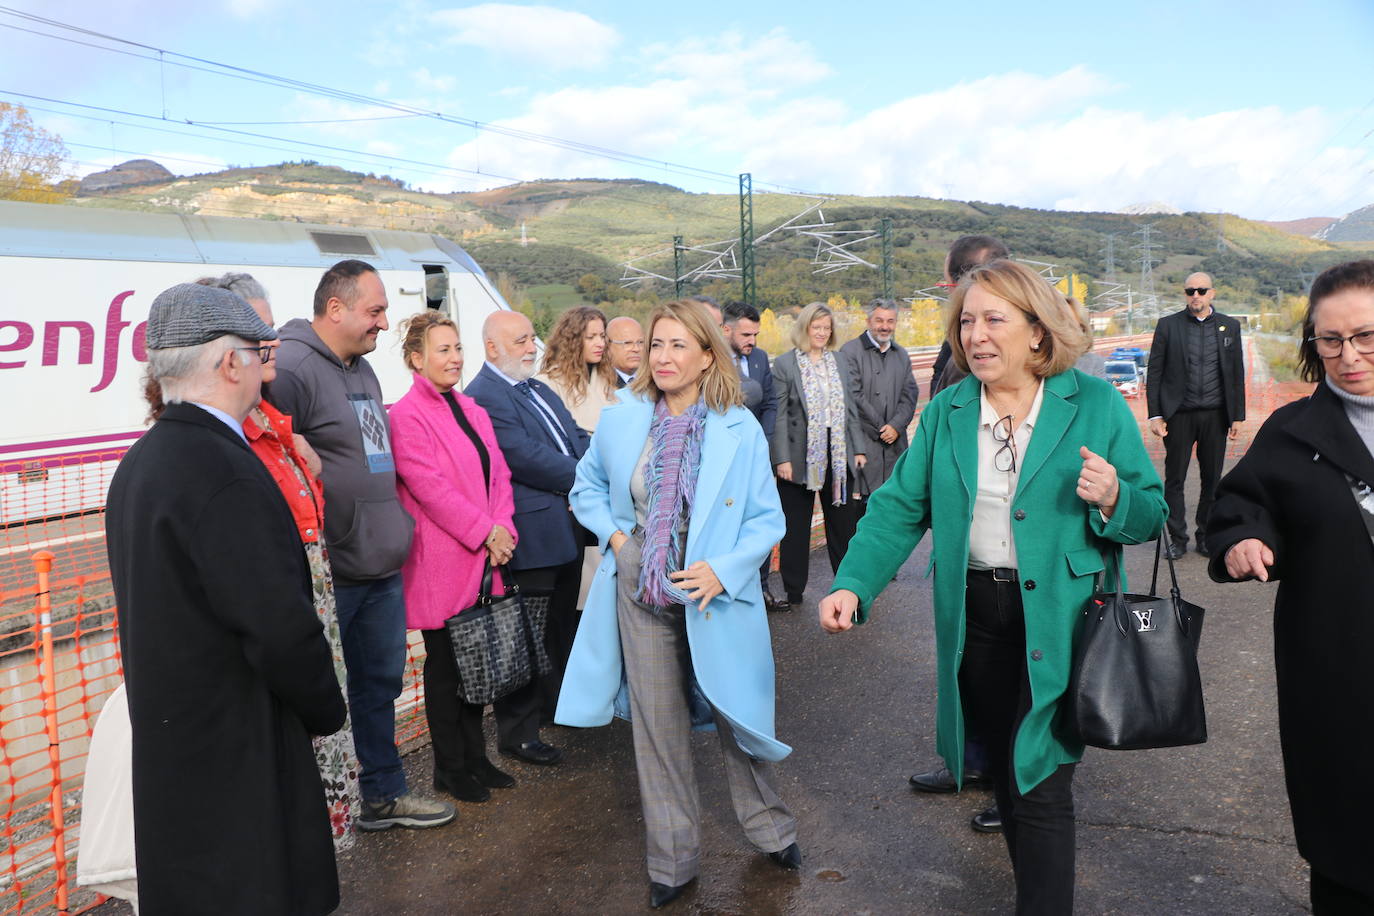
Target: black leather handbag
x=497 y=644
x=1135 y=681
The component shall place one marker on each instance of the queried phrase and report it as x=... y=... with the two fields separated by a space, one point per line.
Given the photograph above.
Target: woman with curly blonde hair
x=574 y=366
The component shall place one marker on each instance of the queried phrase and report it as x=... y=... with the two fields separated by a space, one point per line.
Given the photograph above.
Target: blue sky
x=1264 y=109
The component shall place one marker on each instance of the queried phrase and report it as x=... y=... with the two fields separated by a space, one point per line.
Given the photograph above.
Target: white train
x=75 y=287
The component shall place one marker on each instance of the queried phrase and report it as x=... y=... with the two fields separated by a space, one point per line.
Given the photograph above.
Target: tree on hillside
x=32 y=160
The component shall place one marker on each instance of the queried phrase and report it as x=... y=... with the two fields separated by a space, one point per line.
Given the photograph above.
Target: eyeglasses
x=1331 y=347
x=1004 y=459
x=264 y=353
x=632 y=344
x=1196 y=290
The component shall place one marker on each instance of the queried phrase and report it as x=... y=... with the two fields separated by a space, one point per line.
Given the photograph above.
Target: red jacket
x=439 y=482
x=277 y=450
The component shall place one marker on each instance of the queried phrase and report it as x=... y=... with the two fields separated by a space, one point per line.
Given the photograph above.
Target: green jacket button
x=1019 y=514
x=1030 y=585
x=1036 y=655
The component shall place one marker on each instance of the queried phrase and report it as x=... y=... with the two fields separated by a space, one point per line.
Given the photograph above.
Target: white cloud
x=541 y=36
x=1033 y=140
x=422 y=80
x=732 y=63
x=246 y=9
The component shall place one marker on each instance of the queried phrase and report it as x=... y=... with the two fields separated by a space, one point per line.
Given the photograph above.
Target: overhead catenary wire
x=192 y=62
x=370 y=158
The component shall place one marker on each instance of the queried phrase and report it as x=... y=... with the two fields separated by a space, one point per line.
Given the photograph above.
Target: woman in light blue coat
x=678 y=488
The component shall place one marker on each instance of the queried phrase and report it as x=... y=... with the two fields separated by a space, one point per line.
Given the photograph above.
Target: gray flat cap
x=189 y=314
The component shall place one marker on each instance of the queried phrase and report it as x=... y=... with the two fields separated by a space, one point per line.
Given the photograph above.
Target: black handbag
x=1135 y=682
x=497 y=645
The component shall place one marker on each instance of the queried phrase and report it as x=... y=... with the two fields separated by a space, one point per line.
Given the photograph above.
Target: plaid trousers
x=657 y=660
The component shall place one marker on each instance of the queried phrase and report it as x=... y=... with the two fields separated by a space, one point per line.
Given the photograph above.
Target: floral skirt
x=334 y=753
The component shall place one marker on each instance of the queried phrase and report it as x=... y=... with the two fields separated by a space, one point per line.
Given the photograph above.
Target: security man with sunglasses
x=1195 y=389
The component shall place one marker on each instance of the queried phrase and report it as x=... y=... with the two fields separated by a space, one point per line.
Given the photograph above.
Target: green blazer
x=1059 y=542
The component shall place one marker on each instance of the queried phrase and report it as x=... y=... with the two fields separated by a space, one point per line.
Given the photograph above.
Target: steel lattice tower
x=1146 y=247
x=746 y=238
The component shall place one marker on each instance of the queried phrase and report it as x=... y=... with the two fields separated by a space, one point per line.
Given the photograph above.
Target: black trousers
x=798 y=505
x=520 y=714
x=455 y=726
x=1207 y=429
x=1037 y=825
x=1331 y=898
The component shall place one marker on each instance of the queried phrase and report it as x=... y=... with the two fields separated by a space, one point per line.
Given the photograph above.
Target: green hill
x=576 y=228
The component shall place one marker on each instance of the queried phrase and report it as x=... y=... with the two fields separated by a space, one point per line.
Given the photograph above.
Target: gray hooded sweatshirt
x=338 y=409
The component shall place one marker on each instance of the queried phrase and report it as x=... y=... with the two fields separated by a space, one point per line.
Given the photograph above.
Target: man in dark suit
x=887 y=395
x=740 y=323
x=1195 y=389
x=542 y=444
x=624 y=348
x=226 y=664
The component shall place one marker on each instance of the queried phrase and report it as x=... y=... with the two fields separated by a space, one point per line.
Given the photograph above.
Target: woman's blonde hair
x=415 y=333
x=1064 y=339
x=801 y=336
x=720 y=382
x=563 y=360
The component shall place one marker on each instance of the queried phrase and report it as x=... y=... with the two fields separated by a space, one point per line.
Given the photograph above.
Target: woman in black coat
x=1298 y=509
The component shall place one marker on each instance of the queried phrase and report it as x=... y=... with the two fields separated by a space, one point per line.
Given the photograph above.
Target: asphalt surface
x=1199 y=830
x=1204 y=829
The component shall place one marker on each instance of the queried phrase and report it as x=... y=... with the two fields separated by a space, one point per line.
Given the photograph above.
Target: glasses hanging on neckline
x=1004 y=459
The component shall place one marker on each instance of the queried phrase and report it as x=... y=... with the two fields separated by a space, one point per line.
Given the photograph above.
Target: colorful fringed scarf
x=826 y=423
x=670 y=476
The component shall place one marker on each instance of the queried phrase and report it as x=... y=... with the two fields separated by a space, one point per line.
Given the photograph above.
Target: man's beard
x=514 y=366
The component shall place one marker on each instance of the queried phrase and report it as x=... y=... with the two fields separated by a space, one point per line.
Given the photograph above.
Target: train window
x=343 y=243
x=436 y=287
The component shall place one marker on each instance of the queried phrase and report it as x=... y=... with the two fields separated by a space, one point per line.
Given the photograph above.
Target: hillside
x=588 y=226
x=1308 y=227
x=1356 y=226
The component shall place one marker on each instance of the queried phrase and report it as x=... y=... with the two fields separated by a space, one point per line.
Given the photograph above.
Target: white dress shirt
x=223 y=418
x=545 y=413
x=990 y=542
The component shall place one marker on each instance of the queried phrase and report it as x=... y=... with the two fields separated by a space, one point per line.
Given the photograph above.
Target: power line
x=201 y=64
x=369 y=159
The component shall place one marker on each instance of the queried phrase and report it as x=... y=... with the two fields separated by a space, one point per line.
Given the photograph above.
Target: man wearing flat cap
x=227 y=669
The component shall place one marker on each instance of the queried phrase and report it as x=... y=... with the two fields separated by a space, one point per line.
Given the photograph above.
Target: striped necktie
x=550 y=418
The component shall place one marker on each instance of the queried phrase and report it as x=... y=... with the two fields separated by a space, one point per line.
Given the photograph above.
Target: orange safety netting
x=59 y=650
x=59 y=661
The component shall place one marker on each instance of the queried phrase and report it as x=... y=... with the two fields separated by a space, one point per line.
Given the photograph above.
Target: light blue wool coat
x=736 y=519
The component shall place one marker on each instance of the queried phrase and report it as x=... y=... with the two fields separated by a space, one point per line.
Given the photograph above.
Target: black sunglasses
x=1196 y=290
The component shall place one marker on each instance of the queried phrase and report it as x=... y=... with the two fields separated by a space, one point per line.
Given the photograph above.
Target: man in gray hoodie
x=335 y=402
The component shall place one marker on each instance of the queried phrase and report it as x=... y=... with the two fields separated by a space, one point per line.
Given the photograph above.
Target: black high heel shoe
x=788 y=859
x=663 y=894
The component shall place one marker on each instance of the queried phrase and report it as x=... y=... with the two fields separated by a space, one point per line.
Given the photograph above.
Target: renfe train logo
x=55 y=333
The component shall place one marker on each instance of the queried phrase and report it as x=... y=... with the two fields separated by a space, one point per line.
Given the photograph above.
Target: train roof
x=97 y=233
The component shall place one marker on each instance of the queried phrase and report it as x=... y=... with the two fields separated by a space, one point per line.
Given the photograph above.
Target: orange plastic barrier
x=59 y=651
x=59 y=661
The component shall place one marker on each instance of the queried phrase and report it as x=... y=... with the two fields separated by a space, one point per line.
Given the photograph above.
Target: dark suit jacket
x=1166 y=382
x=765 y=410
x=228 y=675
x=788 y=442
x=541 y=475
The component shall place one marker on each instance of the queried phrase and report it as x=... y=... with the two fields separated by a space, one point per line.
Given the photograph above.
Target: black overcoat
x=228 y=674
x=1290 y=491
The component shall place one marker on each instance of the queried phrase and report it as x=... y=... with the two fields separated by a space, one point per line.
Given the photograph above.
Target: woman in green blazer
x=1025 y=472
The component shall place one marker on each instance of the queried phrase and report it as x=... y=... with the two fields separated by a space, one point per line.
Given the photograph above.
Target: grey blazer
x=788 y=442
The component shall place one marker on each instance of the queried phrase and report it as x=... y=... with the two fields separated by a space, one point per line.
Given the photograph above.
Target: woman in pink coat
x=451 y=478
